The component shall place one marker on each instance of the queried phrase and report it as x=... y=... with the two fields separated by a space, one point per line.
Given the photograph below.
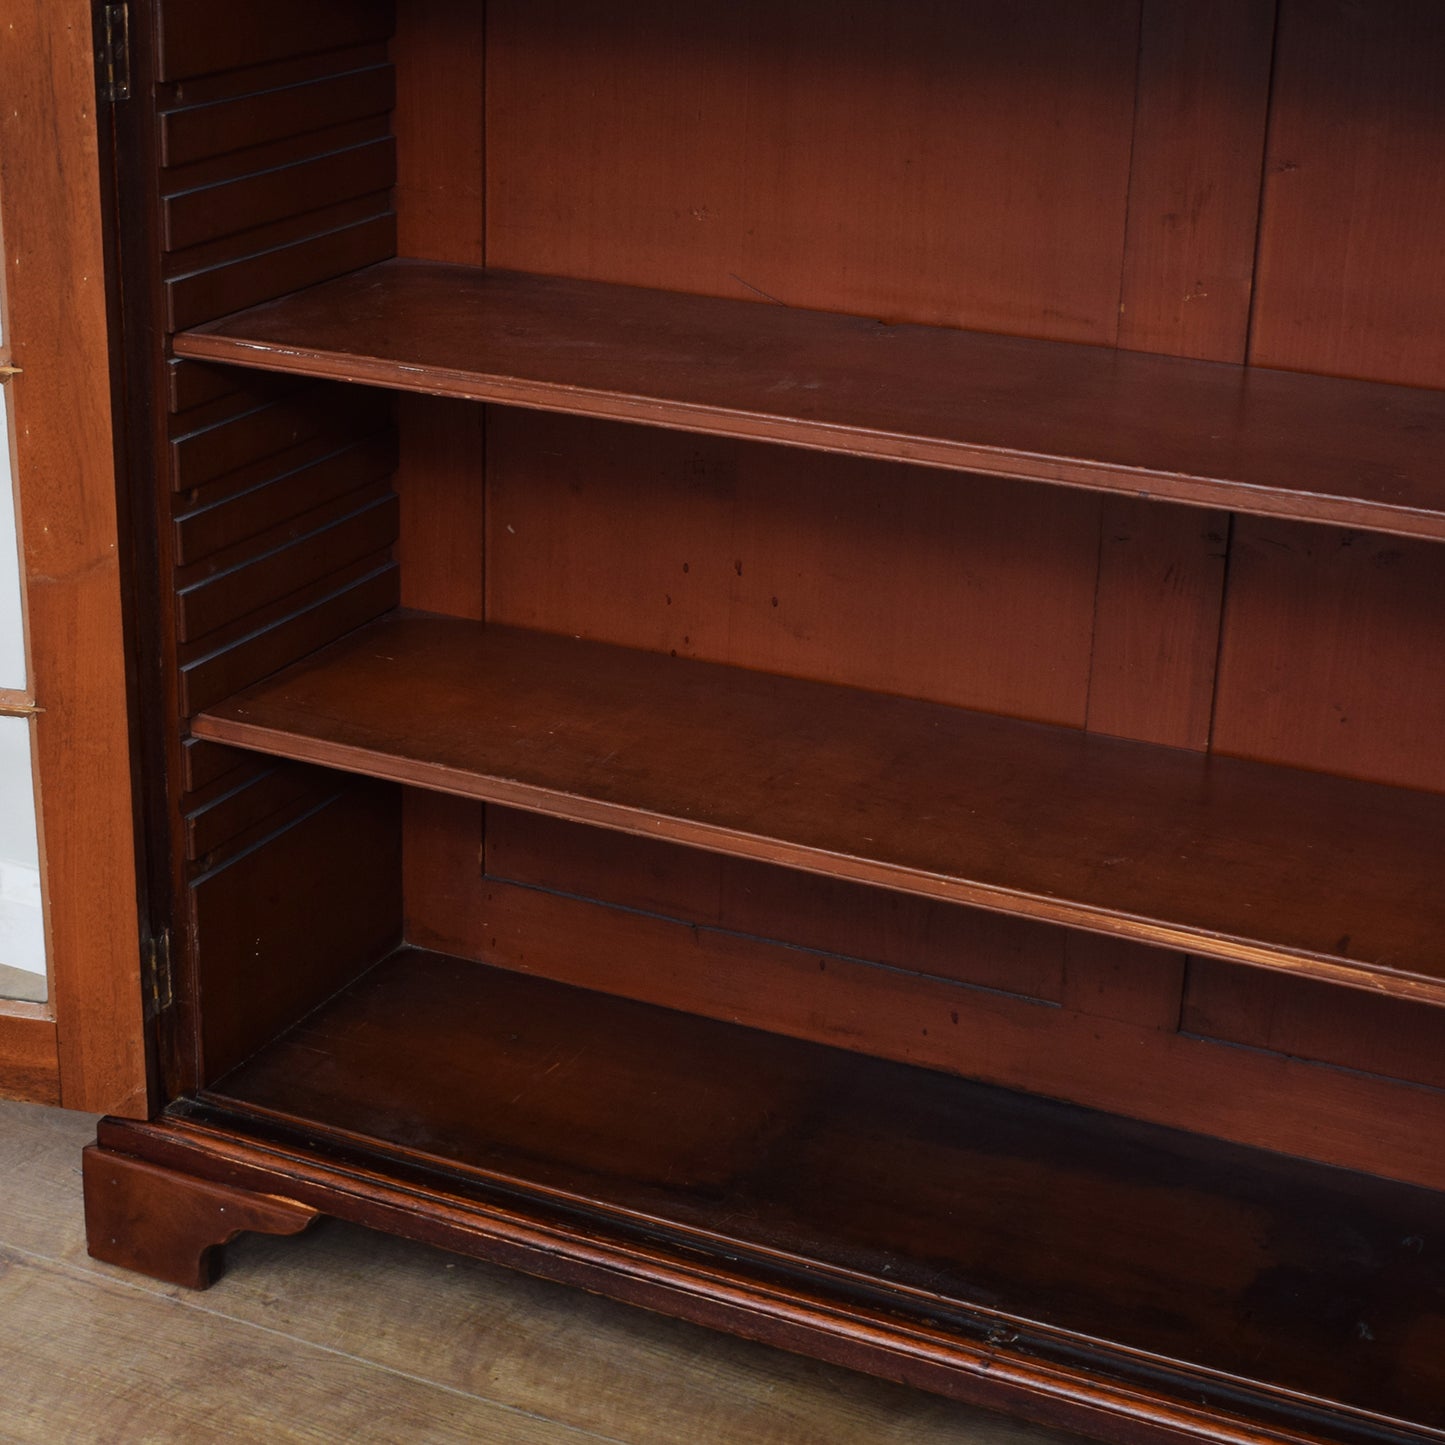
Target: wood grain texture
x=259 y=116
x=1349 y=262
x=1116 y=979
x=948 y=1191
x=905 y=161
x=1195 y=176
x=267 y=432
x=73 y=1358
x=963 y=590
x=189 y=42
x=250 y=810
x=274 y=950
x=207 y=214
x=221 y=524
x=1205 y=433
x=441 y=484
x=1330 y=653
x=1217 y=856
x=64 y=456
x=440 y=124
x=1329 y=637
x=1304 y=1020
x=1113 y=1046
x=29 y=1057
x=361 y=527
x=440 y=55
x=171 y=1228
x=1156 y=623
x=407 y=1322
x=783 y=950
x=731 y=1301
x=749 y=900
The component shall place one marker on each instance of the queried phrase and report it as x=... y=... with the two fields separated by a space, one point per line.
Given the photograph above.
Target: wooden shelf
x=1358 y=454
x=970 y=1216
x=1232 y=859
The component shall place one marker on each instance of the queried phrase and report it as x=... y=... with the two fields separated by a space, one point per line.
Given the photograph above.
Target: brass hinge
x=113 y=61
x=6 y=372
x=160 y=986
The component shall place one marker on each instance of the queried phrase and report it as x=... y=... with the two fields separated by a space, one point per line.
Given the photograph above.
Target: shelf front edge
x=1141 y=484
x=325 y=743
x=1201 y=434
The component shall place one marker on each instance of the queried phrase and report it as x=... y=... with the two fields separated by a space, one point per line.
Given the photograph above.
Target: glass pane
x=12 y=635
x=22 y=919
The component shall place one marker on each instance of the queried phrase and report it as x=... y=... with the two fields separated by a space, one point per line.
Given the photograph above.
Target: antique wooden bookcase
x=788 y=666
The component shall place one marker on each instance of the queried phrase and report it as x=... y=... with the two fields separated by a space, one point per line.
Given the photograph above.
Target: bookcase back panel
x=632 y=148
x=922 y=177
x=1331 y=653
x=1301 y=1018
x=1331 y=641
x=964 y=590
x=919 y=936
x=944 y=987
x=1350 y=244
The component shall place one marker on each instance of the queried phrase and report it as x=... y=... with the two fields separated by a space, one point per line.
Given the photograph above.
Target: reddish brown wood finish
x=743 y=941
x=1031 y=169
x=1153 y=844
x=1016 y=1221
x=190 y=43
x=276 y=950
x=29 y=1056
x=1195 y=175
x=56 y=333
x=1349 y=273
x=1113 y=1045
x=748 y=900
x=889 y=160
x=1379 y=1037
x=1198 y=432
x=1329 y=657
x=1331 y=640
x=968 y=590
x=165 y=1225
x=721 y=1295
x=260 y=504
x=1156 y=623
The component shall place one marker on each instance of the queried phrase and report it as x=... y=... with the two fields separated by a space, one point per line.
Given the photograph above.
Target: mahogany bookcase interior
x=788 y=666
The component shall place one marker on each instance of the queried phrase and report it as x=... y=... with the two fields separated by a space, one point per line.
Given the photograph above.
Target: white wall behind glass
x=12 y=633
x=22 y=919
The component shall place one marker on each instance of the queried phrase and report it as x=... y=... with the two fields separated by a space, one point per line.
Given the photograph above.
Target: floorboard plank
x=344 y=1308
x=95 y=1359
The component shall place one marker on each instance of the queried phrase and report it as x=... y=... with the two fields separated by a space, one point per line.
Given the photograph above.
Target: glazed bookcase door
x=22 y=922
x=68 y=903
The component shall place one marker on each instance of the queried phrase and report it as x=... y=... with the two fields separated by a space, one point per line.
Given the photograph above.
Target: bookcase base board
x=1084 y=1270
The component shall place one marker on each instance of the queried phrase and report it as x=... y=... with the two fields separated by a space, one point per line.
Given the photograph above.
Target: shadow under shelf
x=1242 y=861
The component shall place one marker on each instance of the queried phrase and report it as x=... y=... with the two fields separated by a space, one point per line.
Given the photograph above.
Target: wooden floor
x=18 y=983
x=346 y=1335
